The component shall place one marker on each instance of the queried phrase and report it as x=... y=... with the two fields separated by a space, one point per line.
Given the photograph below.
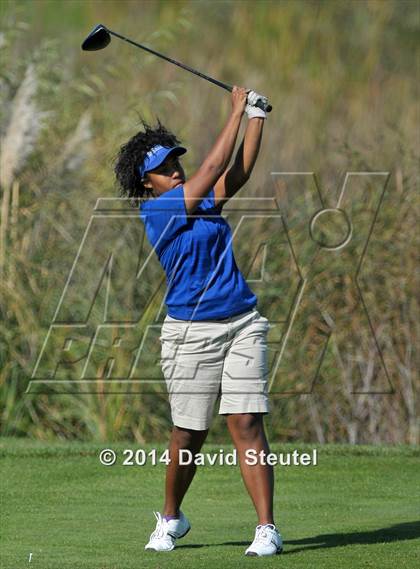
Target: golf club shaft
x=215 y=81
x=187 y=67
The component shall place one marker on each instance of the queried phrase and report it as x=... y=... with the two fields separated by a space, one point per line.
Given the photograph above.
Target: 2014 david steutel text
x=142 y=457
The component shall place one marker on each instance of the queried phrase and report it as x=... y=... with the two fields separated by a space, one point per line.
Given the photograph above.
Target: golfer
x=213 y=338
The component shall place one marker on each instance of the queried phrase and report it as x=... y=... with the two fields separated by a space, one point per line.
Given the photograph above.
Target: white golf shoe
x=267 y=541
x=166 y=532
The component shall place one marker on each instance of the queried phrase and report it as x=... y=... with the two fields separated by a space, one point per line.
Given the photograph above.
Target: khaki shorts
x=202 y=359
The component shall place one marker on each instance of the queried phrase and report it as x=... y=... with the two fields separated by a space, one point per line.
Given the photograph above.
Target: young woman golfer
x=213 y=338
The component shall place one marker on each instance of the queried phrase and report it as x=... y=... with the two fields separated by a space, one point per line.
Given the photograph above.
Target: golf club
x=100 y=37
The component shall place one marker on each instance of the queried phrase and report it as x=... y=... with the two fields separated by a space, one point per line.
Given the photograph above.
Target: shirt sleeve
x=165 y=217
x=208 y=204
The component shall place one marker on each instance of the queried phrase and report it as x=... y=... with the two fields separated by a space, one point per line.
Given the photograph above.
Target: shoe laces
x=263 y=534
x=161 y=527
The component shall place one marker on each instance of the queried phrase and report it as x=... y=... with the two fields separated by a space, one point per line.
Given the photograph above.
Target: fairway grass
x=359 y=507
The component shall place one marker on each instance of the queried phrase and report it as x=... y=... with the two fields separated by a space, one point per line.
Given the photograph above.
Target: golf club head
x=98 y=38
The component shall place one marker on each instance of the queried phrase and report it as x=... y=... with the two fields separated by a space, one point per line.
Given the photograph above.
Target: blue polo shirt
x=203 y=280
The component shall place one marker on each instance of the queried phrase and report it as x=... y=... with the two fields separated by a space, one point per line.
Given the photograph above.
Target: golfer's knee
x=246 y=426
x=188 y=438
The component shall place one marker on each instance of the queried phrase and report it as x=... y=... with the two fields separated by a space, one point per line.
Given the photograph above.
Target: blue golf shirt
x=203 y=280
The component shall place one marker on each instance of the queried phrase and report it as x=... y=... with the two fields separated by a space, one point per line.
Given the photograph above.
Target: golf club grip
x=260 y=105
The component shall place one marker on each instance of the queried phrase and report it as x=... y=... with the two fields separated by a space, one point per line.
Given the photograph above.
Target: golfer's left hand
x=253 y=111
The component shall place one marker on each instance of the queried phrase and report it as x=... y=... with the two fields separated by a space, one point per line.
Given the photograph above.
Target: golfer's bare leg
x=247 y=432
x=179 y=477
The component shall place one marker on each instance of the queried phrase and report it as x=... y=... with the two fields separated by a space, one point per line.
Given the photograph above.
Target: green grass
x=358 y=508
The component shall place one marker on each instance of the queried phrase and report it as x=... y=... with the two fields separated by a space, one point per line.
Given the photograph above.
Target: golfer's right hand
x=239 y=100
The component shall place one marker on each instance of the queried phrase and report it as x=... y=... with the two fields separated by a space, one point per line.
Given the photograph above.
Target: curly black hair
x=131 y=156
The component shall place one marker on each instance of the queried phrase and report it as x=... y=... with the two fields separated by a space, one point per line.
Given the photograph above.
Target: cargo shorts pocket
x=263 y=320
x=174 y=330
x=172 y=334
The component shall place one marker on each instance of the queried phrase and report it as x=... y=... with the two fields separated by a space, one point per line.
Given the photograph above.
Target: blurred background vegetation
x=342 y=77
